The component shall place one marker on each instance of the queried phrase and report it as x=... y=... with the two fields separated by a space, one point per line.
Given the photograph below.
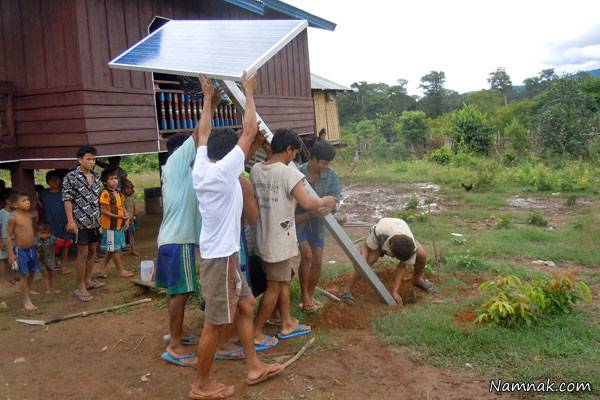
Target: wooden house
x=324 y=93
x=57 y=92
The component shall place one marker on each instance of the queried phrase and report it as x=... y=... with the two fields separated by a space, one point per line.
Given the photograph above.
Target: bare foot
x=33 y=292
x=211 y=390
x=262 y=373
x=66 y=271
x=134 y=253
x=126 y=274
x=56 y=291
x=29 y=306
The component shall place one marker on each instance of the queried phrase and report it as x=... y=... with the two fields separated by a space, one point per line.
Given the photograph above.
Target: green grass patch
x=562 y=348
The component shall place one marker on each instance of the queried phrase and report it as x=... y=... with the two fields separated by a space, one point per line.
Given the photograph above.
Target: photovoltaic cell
x=218 y=49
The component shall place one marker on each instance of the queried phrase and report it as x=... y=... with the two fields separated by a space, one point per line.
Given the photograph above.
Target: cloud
x=580 y=50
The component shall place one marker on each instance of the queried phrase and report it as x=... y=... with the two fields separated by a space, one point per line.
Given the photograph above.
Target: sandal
x=347 y=298
x=96 y=285
x=82 y=297
x=426 y=286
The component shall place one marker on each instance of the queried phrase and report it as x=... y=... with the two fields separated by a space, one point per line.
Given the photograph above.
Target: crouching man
x=393 y=237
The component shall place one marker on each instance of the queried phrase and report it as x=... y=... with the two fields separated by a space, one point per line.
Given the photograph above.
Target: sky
x=384 y=40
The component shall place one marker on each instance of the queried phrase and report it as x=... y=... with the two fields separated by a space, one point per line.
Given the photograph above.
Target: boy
x=5 y=212
x=218 y=166
x=81 y=193
x=44 y=244
x=55 y=213
x=393 y=237
x=114 y=221
x=309 y=225
x=279 y=188
x=20 y=225
x=129 y=204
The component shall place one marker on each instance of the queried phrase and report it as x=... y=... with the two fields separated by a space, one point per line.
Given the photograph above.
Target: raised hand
x=249 y=83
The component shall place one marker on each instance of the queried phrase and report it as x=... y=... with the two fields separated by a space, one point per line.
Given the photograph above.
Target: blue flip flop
x=302 y=330
x=176 y=359
x=186 y=340
x=264 y=345
x=234 y=354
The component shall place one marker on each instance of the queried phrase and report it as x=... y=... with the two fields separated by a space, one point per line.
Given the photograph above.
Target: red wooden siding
x=56 y=53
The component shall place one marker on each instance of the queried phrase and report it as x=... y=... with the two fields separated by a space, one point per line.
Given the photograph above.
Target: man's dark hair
x=51 y=174
x=322 y=151
x=15 y=195
x=83 y=150
x=402 y=246
x=175 y=141
x=284 y=138
x=114 y=158
x=322 y=132
x=107 y=174
x=39 y=188
x=43 y=225
x=220 y=142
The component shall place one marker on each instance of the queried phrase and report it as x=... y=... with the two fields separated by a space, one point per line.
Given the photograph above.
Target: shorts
x=132 y=228
x=278 y=272
x=113 y=241
x=176 y=269
x=310 y=234
x=222 y=286
x=27 y=260
x=62 y=244
x=87 y=236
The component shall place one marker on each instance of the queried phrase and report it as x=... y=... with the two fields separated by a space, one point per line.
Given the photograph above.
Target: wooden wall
x=56 y=54
x=326 y=114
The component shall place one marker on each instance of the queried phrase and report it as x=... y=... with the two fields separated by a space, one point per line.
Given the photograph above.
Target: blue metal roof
x=260 y=6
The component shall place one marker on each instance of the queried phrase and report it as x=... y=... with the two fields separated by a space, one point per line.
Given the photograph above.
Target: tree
x=434 y=92
x=413 y=127
x=500 y=81
x=537 y=84
x=565 y=116
x=470 y=130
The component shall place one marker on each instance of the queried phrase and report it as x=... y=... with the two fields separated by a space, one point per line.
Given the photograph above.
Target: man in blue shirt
x=309 y=224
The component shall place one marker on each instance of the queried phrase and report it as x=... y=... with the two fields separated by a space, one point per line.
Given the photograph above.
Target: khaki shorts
x=278 y=272
x=223 y=284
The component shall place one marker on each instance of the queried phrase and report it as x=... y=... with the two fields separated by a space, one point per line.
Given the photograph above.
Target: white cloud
x=381 y=41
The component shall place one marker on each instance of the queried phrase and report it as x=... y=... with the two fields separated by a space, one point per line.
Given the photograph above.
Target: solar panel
x=218 y=49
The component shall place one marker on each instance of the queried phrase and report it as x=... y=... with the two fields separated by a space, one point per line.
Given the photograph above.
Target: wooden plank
x=117 y=39
x=127 y=148
x=116 y=98
x=286 y=110
x=122 y=136
x=41 y=127
x=48 y=152
x=304 y=65
x=51 y=140
x=54 y=43
x=89 y=111
x=296 y=66
x=275 y=101
x=49 y=164
x=285 y=78
x=50 y=114
x=308 y=117
x=3 y=70
x=134 y=34
x=71 y=42
x=84 y=43
x=33 y=40
x=14 y=49
x=97 y=25
x=111 y=124
x=50 y=99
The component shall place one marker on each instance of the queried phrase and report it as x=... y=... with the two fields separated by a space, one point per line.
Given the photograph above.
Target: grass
x=562 y=348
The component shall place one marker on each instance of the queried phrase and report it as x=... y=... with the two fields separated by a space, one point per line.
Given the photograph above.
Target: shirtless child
x=22 y=251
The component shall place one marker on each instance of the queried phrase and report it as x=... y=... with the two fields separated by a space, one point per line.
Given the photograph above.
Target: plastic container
x=146 y=270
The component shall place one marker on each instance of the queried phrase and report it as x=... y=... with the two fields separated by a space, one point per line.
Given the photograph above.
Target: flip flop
x=176 y=359
x=188 y=340
x=347 y=298
x=268 y=343
x=233 y=354
x=267 y=374
x=301 y=330
x=316 y=308
x=222 y=393
x=96 y=285
x=426 y=286
x=81 y=297
x=101 y=276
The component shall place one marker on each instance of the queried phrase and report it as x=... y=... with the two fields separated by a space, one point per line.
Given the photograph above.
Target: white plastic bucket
x=146 y=270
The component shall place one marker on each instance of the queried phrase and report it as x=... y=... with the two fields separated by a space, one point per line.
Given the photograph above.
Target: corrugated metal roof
x=319 y=83
x=259 y=7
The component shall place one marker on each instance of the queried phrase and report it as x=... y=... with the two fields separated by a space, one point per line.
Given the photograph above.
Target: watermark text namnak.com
x=546 y=386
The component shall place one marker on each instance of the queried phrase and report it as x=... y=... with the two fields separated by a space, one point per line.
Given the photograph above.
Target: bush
x=413 y=203
x=504 y=221
x=486 y=173
x=537 y=219
x=442 y=156
x=511 y=302
x=470 y=130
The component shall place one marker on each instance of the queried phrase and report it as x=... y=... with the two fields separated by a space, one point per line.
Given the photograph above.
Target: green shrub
x=537 y=219
x=442 y=156
x=413 y=203
x=486 y=173
x=512 y=302
x=504 y=221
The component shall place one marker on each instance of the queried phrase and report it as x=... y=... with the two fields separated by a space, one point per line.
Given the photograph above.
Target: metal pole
x=334 y=227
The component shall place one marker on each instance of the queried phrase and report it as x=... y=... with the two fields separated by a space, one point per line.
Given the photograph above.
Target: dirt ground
x=105 y=356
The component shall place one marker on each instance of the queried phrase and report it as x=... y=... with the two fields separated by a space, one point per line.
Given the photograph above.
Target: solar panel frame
x=228 y=72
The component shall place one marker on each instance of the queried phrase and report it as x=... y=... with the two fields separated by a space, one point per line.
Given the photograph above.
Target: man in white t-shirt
x=218 y=166
x=279 y=189
x=392 y=237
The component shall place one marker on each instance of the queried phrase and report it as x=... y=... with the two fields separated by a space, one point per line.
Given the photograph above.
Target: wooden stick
x=97 y=311
x=329 y=295
x=360 y=239
x=298 y=354
x=138 y=344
